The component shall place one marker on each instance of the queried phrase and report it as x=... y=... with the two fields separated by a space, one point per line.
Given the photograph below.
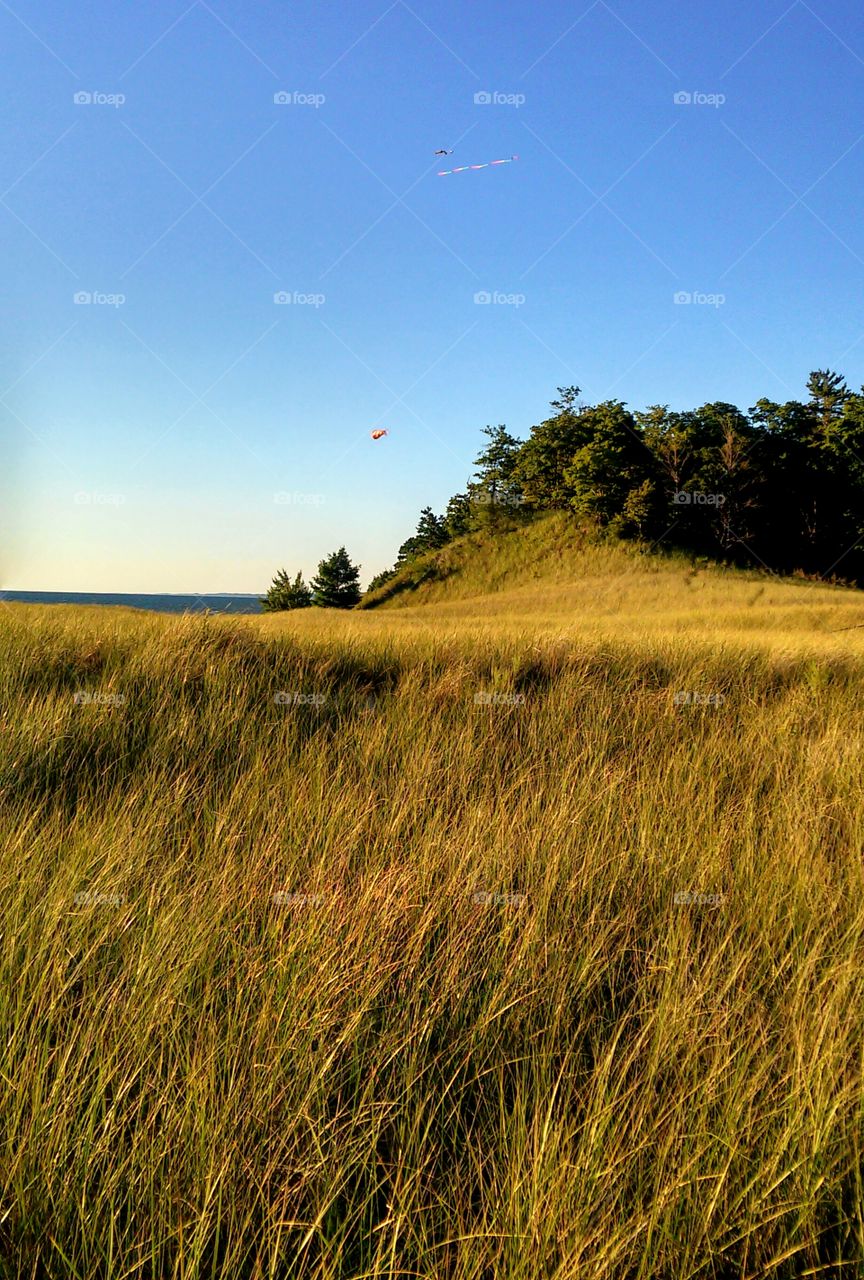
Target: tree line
x=780 y=486
x=335 y=586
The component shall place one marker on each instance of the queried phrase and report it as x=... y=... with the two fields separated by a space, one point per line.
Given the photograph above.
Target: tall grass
x=476 y=952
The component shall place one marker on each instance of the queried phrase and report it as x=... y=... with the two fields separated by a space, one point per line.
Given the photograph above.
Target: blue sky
x=183 y=431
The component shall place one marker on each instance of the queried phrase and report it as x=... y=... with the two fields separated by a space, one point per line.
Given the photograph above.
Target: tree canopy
x=337 y=583
x=780 y=486
x=285 y=594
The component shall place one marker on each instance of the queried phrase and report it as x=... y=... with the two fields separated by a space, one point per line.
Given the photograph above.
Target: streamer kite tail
x=462 y=168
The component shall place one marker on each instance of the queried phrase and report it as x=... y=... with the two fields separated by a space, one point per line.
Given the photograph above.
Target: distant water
x=155 y=603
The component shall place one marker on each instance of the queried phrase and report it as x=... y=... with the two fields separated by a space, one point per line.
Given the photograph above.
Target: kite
x=442 y=153
x=444 y=172
x=378 y=433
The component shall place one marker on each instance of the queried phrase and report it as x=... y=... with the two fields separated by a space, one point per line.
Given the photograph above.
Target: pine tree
x=568 y=400
x=431 y=530
x=337 y=584
x=495 y=491
x=380 y=578
x=431 y=534
x=457 y=518
x=285 y=594
x=828 y=395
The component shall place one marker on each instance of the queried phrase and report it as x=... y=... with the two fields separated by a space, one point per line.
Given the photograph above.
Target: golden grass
x=523 y=936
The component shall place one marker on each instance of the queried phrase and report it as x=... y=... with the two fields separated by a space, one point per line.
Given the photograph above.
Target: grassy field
x=514 y=932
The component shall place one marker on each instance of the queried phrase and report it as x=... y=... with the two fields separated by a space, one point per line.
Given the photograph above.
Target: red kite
x=378 y=433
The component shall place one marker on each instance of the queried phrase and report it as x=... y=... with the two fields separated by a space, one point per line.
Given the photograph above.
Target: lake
x=154 y=603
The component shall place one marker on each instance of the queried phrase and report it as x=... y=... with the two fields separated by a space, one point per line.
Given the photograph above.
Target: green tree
x=380 y=578
x=738 y=479
x=337 y=583
x=431 y=533
x=705 y=475
x=549 y=450
x=568 y=400
x=638 y=516
x=431 y=530
x=790 y=515
x=674 y=441
x=811 y=459
x=495 y=493
x=828 y=396
x=610 y=464
x=842 y=475
x=285 y=594
x=458 y=516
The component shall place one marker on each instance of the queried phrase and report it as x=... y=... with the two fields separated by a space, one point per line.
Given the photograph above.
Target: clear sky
x=183 y=431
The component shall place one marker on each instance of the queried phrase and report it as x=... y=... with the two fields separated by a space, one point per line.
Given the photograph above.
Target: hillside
x=549 y=578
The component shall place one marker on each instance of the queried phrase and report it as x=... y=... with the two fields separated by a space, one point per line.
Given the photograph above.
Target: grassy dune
x=548 y=580
x=522 y=936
